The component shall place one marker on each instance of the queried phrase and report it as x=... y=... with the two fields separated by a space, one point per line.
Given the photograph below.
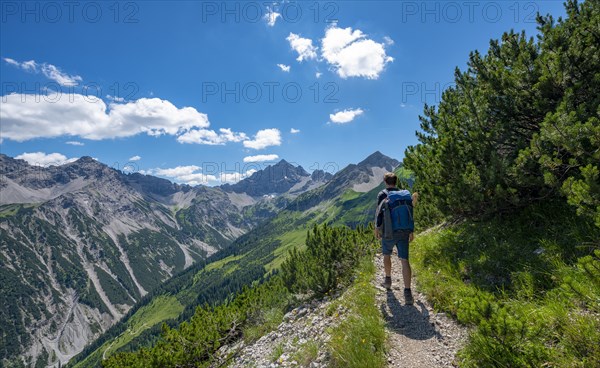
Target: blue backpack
x=397 y=213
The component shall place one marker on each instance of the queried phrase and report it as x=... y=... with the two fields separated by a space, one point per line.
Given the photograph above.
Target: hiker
x=395 y=212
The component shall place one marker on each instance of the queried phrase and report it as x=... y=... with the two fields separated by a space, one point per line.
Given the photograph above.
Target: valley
x=99 y=242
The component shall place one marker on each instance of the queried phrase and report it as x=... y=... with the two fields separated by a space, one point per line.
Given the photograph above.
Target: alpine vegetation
x=510 y=162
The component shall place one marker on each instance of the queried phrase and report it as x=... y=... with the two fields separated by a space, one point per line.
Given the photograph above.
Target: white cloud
x=283 y=67
x=271 y=16
x=45 y=159
x=55 y=74
x=27 y=117
x=264 y=138
x=318 y=75
x=352 y=54
x=176 y=171
x=30 y=66
x=336 y=39
x=260 y=158
x=115 y=99
x=303 y=46
x=135 y=158
x=388 y=40
x=12 y=62
x=294 y=131
x=196 y=179
x=235 y=176
x=75 y=143
x=345 y=116
x=50 y=71
x=210 y=137
x=232 y=136
x=192 y=175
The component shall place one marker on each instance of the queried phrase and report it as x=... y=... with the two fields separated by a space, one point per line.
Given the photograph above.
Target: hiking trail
x=417 y=336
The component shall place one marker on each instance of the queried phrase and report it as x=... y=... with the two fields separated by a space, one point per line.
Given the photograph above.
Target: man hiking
x=394 y=226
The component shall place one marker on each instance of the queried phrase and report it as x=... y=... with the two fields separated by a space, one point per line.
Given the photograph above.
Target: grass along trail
x=417 y=336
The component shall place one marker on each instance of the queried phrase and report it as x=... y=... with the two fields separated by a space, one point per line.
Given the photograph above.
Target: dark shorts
x=401 y=243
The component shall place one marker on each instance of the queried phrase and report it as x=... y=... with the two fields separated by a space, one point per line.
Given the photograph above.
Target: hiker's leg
x=387 y=247
x=403 y=255
x=406 y=273
x=387 y=265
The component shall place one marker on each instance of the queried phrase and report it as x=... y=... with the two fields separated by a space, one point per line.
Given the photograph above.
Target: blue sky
x=206 y=92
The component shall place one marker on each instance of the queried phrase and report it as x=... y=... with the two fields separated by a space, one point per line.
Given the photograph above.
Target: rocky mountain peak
x=378 y=159
x=363 y=177
x=274 y=179
x=86 y=160
x=86 y=168
x=285 y=167
x=9 y=164
x=320 y=175
x=154 y=186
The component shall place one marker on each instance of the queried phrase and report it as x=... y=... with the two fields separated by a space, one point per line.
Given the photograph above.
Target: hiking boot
x=408 y=298
x=387 y=283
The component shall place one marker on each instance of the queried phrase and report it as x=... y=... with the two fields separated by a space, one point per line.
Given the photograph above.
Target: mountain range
x=83 y=243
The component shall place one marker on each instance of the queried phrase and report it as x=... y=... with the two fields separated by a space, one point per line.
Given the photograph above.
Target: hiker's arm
x=411 y=237
x=415 y=198
x=378 y=223
x=378 y=218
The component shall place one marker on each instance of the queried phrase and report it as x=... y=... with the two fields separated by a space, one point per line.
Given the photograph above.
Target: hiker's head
x=390 y=179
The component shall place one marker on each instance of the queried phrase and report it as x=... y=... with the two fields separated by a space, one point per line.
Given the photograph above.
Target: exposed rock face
x=275 y=179
x=81 y=243
x=155 y=187
x=320 y=175
x=304 y=326
x=362 y=177
x=367 y=174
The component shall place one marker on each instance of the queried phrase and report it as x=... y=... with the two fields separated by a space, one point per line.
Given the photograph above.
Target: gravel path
x=417 y=336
